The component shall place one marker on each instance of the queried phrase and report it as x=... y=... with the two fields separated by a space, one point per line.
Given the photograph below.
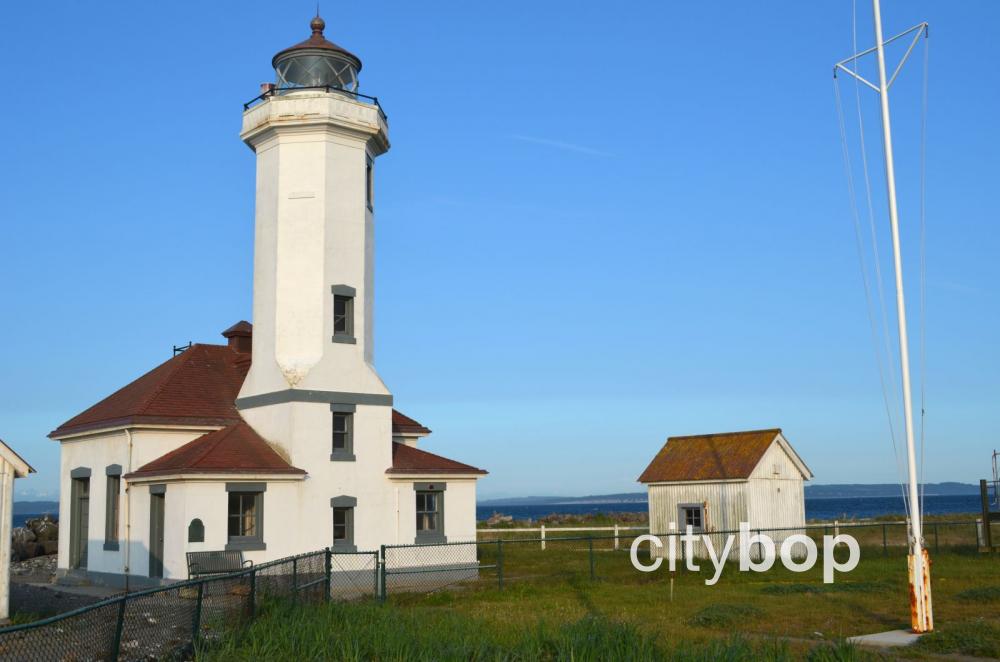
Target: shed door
x=79 y=522
x=156 y=505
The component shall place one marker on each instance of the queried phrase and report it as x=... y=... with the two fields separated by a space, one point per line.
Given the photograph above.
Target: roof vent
x=240 y=336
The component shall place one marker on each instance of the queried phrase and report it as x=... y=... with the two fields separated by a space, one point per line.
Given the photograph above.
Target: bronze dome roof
x=318 y=42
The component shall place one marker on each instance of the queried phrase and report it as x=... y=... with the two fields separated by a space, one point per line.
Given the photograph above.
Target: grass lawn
x=549 y=608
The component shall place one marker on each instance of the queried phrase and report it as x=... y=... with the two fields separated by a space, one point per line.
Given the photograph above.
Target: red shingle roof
x=403 y=424
x=728 y=455
x=235 y=449
x=197 y=387
x=410 y=460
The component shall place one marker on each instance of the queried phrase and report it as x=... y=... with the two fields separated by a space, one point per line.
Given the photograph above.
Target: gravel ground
x=43 y=601
x=33 y=592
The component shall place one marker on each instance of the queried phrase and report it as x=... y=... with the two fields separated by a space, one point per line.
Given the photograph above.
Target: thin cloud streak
x=569 y=147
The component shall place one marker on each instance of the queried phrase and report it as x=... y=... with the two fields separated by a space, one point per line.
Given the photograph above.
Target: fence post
x=500 y=563
x=253 y=594
x=328 y=569
x=836 y=528
x=616 y=536
x=590 y=545
x=295 y=580
x=382 y=585
x=196 y=625
x=543 y=537
x=937 y=547
x=116 y=642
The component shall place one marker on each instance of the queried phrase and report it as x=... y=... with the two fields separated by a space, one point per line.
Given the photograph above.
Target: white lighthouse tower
x=312 y=390
x=316 y=141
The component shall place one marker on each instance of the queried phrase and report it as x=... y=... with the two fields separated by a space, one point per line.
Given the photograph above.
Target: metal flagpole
x=921 y=617
x=921 y=614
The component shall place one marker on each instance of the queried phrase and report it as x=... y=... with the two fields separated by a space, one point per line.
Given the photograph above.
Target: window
x=342 y=438
x=245 y=516
x=430 y=512
x=343 y=523
x=196 y=531
x=342 y=526
x=692 y=515
x=112 y=507
x=343 y=314
x=369 y=183
x=342 y=432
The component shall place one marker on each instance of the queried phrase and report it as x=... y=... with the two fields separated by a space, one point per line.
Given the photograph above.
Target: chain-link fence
x=167 y=621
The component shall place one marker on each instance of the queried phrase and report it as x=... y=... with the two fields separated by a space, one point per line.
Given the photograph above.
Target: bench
x=215 y=563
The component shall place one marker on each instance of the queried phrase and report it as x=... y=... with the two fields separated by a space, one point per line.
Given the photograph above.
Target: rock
x=22 y=535
x=41 y=565
x=45 y=528
x=39 y=536
x=22 y=544
x=498 y=518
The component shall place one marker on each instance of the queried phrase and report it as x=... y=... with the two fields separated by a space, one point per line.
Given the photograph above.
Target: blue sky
x=595 y=228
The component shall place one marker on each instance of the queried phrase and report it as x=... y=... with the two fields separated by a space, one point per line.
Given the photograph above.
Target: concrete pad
x=889 y=639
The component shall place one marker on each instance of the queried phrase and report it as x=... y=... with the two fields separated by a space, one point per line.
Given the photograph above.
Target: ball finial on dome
x=317 y=25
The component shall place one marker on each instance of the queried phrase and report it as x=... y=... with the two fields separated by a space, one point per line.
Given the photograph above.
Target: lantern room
x=317 y=62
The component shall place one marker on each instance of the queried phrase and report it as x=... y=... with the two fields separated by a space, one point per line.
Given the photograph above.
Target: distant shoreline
x=539 y=504
x=817 y=508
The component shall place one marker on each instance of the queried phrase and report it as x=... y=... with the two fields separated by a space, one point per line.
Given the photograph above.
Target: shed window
x=692 y=515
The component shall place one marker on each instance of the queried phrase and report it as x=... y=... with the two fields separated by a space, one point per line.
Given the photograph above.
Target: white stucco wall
x=97 y=452
x=313 y=230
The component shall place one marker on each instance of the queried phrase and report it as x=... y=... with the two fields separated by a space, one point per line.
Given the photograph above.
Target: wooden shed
x=713 y=482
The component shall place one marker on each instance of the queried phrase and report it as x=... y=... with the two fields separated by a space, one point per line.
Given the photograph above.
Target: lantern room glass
x=317 y=70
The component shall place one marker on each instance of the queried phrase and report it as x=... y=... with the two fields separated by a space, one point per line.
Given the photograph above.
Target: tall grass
x=355 y=632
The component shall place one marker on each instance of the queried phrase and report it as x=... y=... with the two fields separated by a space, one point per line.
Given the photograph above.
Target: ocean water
x=842 y=508
x=845 y=508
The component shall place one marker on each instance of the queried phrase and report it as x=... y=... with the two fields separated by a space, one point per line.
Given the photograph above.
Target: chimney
x=240 y=337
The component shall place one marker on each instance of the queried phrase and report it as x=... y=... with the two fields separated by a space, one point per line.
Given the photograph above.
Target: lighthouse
x=284 y=439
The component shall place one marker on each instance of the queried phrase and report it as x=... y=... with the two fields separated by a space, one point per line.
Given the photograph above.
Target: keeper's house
x=284 y=440
x=713 y=482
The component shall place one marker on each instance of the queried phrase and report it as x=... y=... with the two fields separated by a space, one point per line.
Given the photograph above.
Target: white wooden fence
x=540 y=530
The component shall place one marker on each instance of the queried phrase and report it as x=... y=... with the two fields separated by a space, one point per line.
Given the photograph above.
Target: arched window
x=196 y=531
